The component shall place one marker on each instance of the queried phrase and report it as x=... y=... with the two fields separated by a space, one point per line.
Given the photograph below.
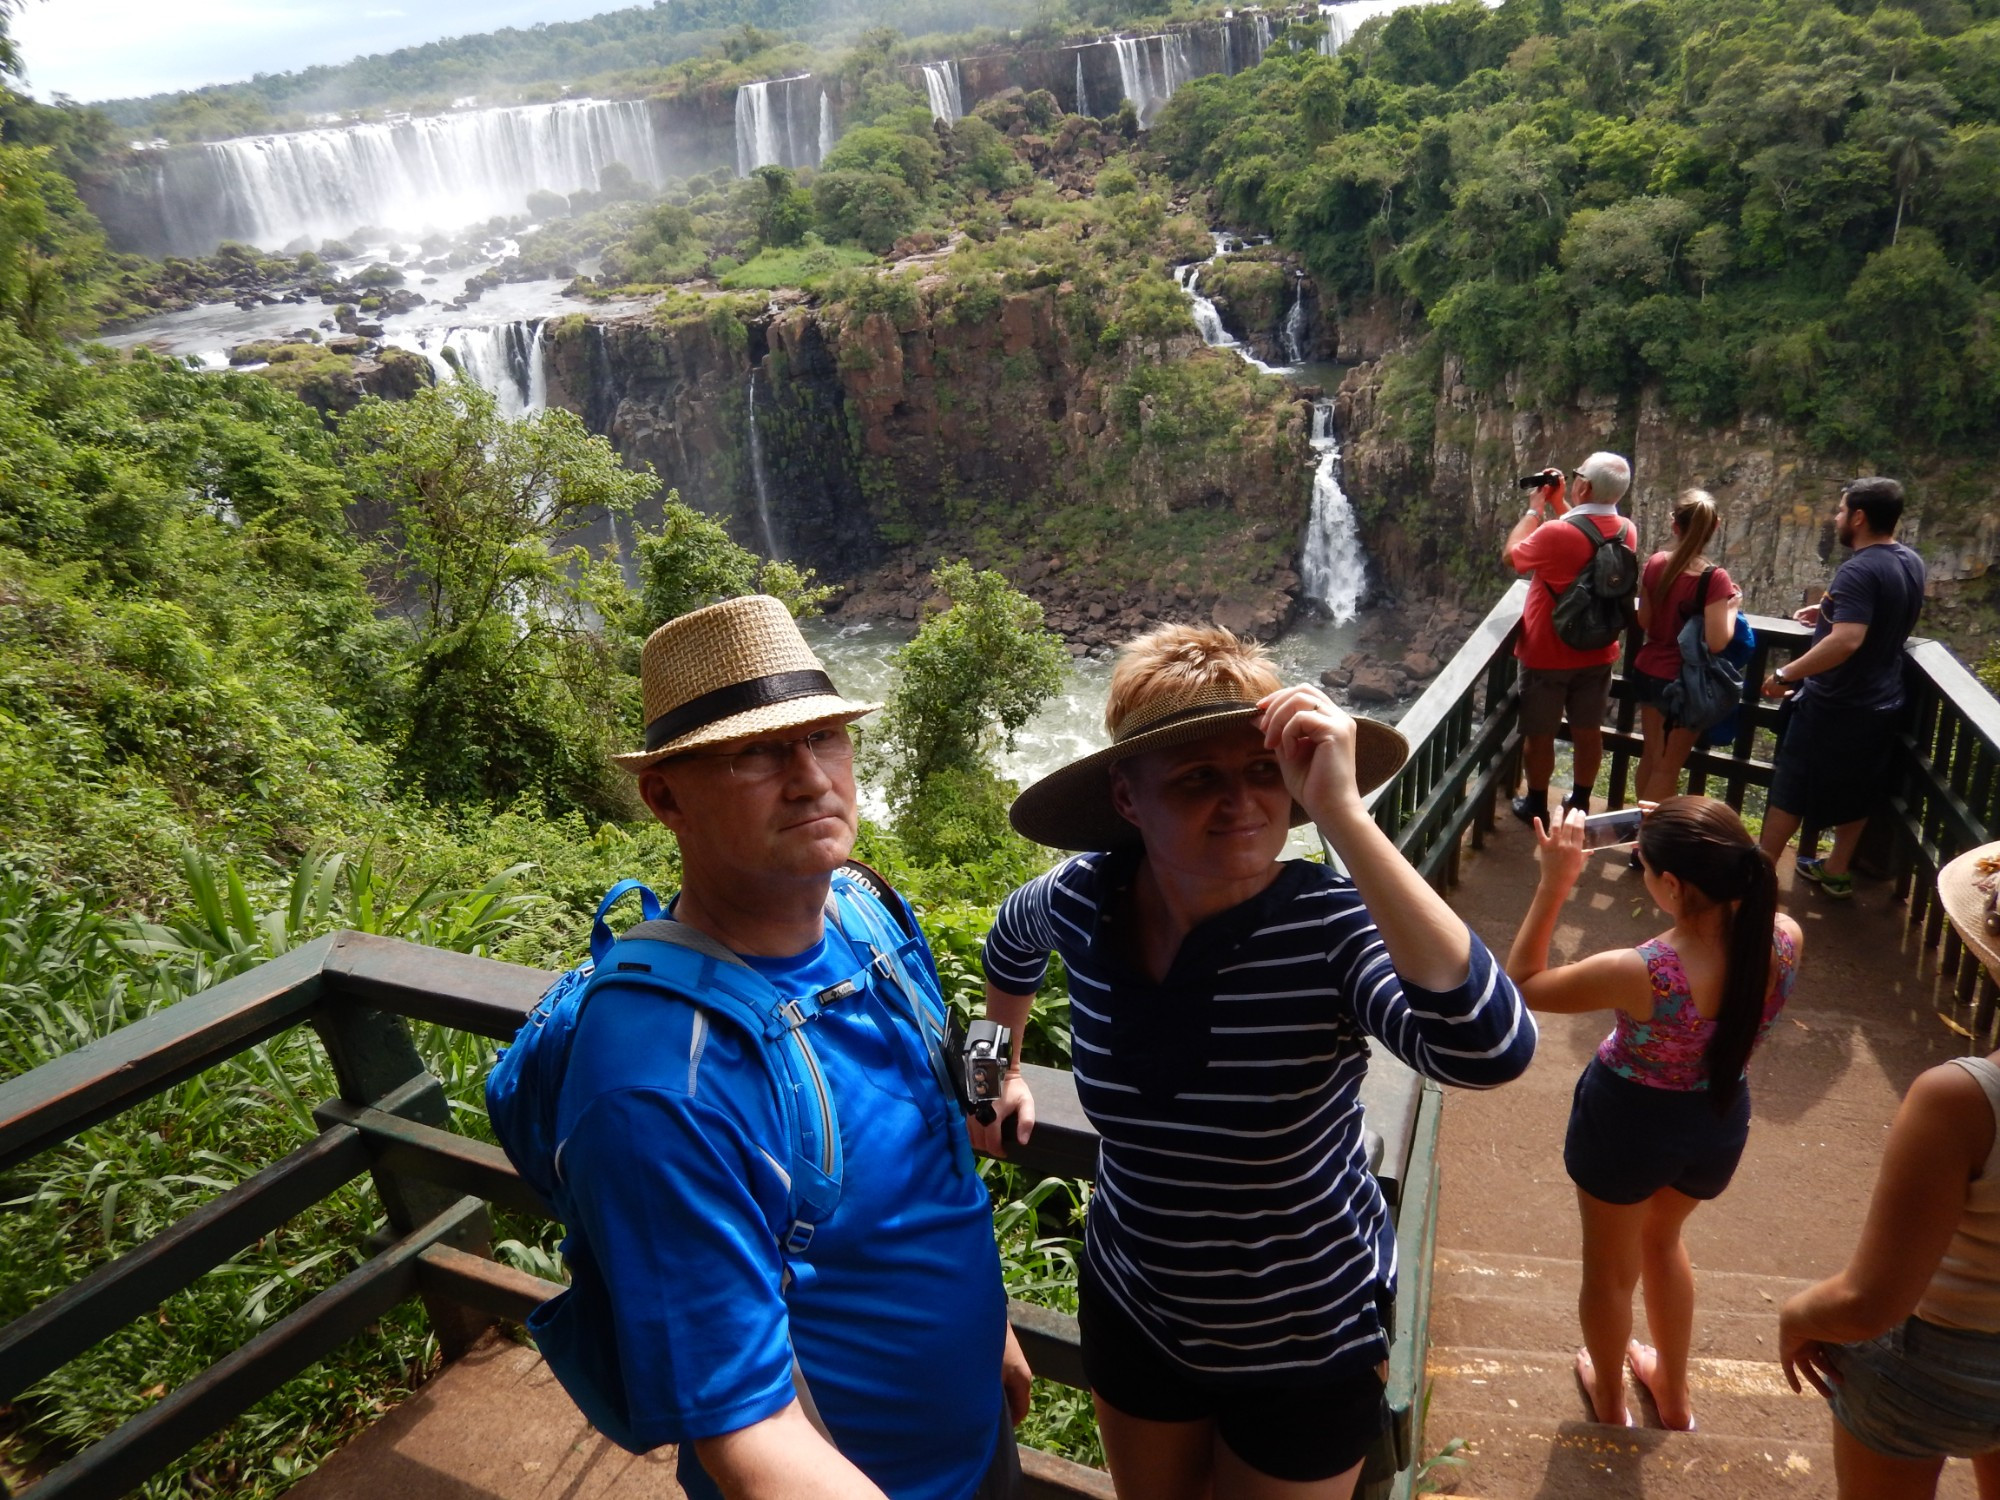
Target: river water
x=859 y=658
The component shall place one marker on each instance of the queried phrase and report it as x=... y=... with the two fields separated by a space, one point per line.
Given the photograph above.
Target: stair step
x=1731 y=1397
x=1530 y=1458
x=1479 y=1320
x=1477 y=1272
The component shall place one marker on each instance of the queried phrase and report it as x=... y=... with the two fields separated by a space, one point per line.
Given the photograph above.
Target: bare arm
x=1426 y=940
x=1839 y=643
x=1941 y=1137
x=782 y=1457
x=1718 y=620
x=1614 y=979
x=1015 y=1099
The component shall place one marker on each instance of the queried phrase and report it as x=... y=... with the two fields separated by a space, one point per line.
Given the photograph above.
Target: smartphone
x=1606 y=830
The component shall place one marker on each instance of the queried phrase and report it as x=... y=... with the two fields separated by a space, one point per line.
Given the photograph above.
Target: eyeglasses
x=768 y=759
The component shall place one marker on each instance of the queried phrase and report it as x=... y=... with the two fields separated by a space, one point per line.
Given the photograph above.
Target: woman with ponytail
x=1661 y=1114
x=1674 y=587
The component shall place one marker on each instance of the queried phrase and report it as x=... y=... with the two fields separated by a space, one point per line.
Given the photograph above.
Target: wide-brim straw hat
x=736 y=668
x=1071 y=808
x=1965 y=886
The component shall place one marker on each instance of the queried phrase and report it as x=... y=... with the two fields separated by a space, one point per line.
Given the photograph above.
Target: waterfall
x=941 y=85
x=1263 y=25
x=505 y=359
x=1293 y=335
x=437 y=172
x=1333 y=568
x=1346 y=18
x=1082 y=98
x=1150 y=68
x=775 y=120
x=825 y=125
x=758 y=478
x=1207 y=321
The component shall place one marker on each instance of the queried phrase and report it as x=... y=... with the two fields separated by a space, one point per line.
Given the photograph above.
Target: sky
x=111 y=49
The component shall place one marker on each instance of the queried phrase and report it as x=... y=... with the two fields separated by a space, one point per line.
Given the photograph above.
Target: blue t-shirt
x=1881 y=587
x=675 y=1163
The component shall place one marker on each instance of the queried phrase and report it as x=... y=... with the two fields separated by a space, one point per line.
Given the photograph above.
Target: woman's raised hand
x=1314 y=740
x=1560 y=849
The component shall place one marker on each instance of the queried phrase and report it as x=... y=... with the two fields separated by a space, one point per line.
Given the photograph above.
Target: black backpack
x=1596 y=609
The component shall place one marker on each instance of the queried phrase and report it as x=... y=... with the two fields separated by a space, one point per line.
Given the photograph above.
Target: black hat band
x=736 y=698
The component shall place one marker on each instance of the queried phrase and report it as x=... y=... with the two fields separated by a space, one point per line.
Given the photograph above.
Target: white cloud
x=107 y=49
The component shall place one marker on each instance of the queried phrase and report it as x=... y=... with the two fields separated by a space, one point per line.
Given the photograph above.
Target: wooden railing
x=1941 y=797
x=435 y=1185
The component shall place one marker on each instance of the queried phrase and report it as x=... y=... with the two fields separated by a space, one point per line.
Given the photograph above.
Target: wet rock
x=1373 y=685
x=1419 y=664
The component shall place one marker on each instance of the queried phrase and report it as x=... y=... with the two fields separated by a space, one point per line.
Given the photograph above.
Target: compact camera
x=980 y=1064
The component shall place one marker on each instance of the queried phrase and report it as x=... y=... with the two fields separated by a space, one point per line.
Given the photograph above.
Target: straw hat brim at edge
x=1965 y=904
x=816 y=711
x=1071 y=808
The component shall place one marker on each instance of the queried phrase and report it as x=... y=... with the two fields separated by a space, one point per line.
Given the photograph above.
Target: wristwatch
x=1779 y=674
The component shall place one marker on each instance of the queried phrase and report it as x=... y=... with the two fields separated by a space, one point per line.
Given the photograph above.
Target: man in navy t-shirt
x=1834 y=759
x=674 y=1155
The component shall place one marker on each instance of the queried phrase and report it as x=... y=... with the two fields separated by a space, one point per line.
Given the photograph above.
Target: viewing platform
x=1486 y=1221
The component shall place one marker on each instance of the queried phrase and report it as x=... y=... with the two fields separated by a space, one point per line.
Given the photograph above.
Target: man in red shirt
x=1550 y=551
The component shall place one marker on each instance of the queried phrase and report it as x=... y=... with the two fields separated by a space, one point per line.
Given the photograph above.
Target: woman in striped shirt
x=1238 y=1255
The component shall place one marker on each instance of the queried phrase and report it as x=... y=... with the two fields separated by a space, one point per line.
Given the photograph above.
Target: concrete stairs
x=1504 y=1329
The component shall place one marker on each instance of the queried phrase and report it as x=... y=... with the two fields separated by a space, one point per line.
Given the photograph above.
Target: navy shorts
x=1304 y=1431
x=1646 y=688
x=1627 y=1140
x=1833 y=763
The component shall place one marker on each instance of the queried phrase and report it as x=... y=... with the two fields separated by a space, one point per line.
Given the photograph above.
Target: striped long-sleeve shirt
x=1235 y=1219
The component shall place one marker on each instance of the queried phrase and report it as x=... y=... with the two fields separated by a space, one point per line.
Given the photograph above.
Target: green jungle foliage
x=1751 y=205
x=262 y=676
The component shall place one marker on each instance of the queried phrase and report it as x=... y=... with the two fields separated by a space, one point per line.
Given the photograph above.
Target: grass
x=795 y=265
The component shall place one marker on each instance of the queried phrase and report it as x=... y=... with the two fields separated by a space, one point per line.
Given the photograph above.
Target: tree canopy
x=1750 y=205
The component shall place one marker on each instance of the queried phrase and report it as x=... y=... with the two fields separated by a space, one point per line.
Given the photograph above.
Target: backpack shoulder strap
x=1588 y=527
x=876 y=884
x=688 y=963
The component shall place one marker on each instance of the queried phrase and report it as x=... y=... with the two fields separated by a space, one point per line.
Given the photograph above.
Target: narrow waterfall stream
x=760 y=481
x=1082 y=95
x=1333 y=566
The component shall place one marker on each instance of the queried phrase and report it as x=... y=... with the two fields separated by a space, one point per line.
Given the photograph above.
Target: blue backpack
x=525 y=1086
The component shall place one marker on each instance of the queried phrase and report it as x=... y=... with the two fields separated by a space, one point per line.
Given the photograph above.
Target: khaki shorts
x=1583 y=692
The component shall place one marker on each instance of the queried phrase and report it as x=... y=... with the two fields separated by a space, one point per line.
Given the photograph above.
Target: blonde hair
x=1179 y=659
x=1695 y=522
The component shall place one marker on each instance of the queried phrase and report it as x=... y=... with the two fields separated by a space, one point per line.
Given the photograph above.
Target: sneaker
x=1532 y=806
x=1840 y=887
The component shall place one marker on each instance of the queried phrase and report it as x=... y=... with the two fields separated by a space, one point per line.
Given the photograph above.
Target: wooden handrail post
x=379 y=1066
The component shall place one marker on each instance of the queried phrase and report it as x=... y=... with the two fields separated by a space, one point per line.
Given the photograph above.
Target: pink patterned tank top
x=1666 y=1050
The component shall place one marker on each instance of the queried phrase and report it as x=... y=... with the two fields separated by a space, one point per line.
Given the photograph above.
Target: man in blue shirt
x=1833 y=762
x=871 y=1362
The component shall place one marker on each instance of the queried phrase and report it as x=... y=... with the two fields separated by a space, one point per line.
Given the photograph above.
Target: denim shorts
x=1920 y=1391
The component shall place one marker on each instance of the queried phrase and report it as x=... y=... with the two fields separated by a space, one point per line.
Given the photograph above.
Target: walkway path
x=1504 y=1329
x=491 y=1426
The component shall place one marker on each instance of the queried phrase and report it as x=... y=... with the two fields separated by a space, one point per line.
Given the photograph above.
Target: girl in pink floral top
x=1661 y=1114
x=1669 y=1048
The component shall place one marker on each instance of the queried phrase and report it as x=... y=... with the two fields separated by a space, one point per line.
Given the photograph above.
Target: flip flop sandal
x=1632 y=1364
x=1585 y=1374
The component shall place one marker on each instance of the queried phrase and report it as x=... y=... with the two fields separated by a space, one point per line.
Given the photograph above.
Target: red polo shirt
x=1551 y=556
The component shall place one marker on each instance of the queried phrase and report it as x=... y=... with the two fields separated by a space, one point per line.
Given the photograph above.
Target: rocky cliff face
x=941 y=424
x=1437 y=497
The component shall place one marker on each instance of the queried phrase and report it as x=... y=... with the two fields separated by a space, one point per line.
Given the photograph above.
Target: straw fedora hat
x=1070 y=808
x=1966 y=886
x=735 y=668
